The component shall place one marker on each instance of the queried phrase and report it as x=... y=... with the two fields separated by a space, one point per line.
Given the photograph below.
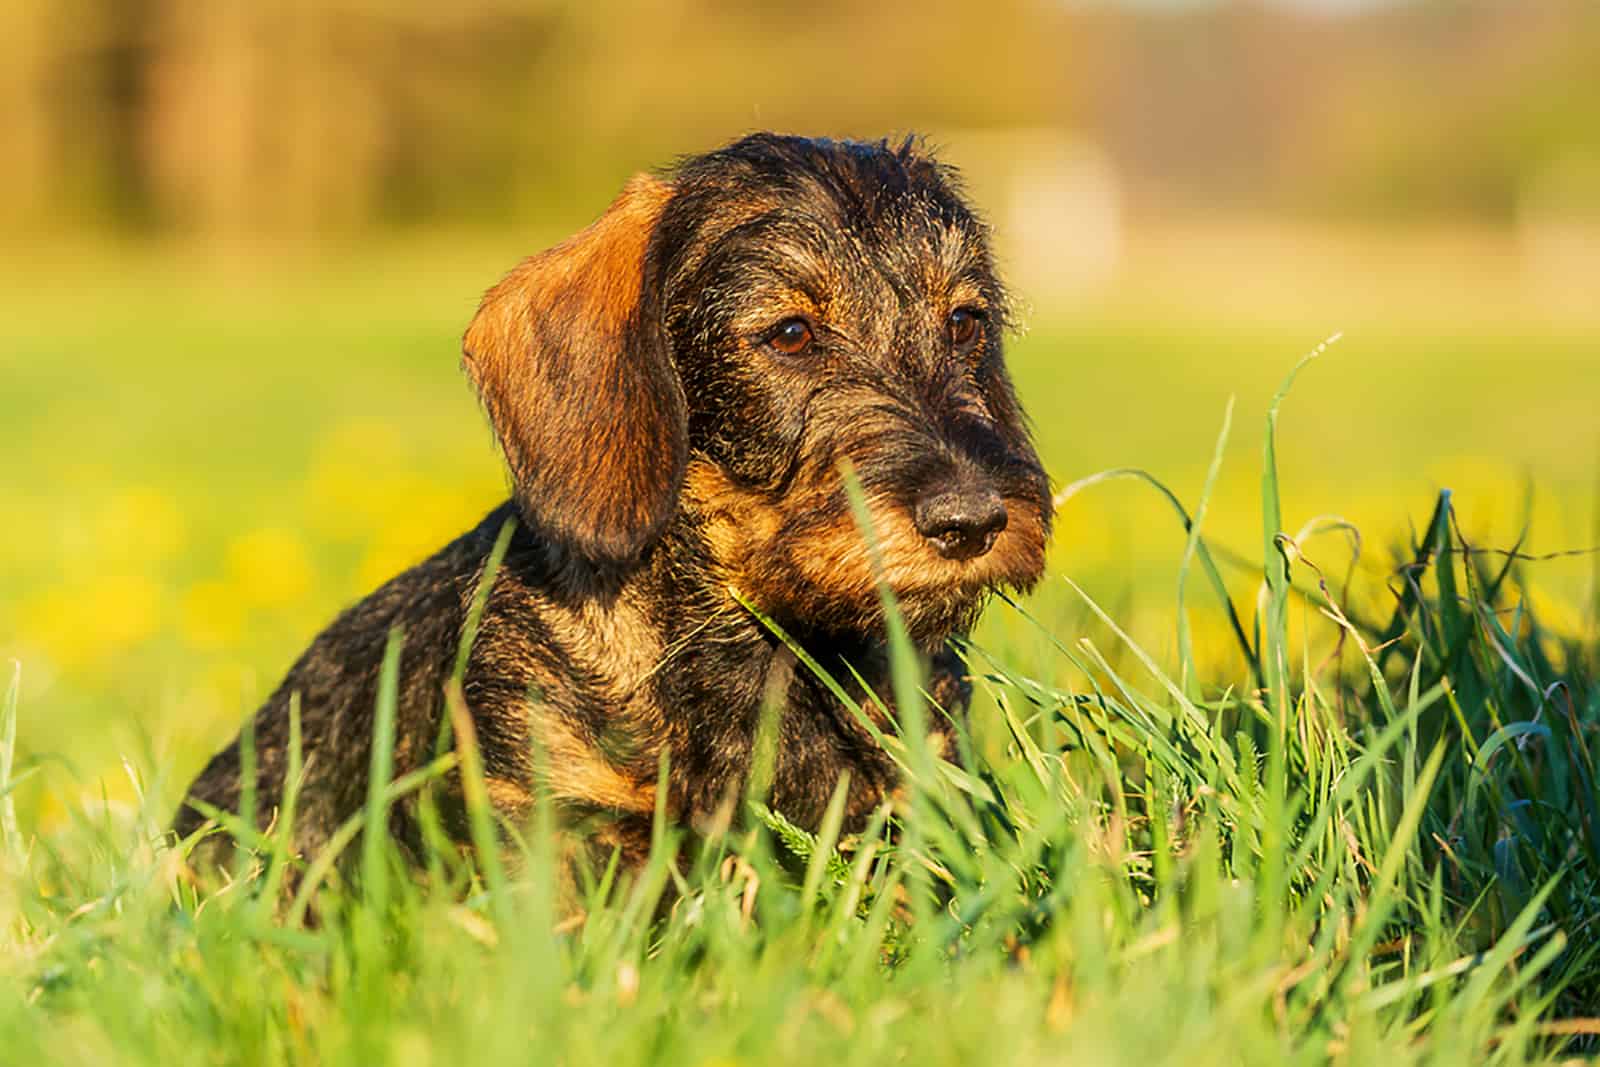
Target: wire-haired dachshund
x=679 y=391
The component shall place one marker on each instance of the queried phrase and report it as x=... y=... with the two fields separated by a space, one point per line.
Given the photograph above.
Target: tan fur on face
x=834 y=563
x=839 y=559
x=737 y=521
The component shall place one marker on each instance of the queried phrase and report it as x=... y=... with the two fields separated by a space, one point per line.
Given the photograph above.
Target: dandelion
x=269 y=567
x=211 y=616
x=83 y=624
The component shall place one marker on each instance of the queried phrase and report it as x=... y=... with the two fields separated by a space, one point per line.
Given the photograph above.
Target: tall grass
x=1309 y=863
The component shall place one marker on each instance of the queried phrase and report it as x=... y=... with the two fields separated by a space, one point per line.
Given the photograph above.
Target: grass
x=1388 y=852
x=1325 y=798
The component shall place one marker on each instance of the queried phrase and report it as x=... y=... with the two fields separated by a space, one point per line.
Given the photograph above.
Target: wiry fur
x=663 y=454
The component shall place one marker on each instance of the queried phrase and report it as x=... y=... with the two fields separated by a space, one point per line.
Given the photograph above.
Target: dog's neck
x=722 y=666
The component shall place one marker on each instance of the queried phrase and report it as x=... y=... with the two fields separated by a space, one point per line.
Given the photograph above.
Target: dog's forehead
x=910 y=242
x=837 y=213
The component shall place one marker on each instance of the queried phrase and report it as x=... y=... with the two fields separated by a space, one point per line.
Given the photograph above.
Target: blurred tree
x=23 y=113
x=228 y=117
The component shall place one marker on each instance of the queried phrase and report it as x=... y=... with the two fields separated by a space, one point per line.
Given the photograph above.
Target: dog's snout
x=960 y=523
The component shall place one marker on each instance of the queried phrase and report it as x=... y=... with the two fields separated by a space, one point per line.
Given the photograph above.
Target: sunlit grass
x=1391 y=859
x=206 y=472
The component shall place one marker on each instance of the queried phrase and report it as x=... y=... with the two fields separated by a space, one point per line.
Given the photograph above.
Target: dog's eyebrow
x=779 y=260
x=956 y=262
x=945 y=252
x=789 y=238
x=783 y=251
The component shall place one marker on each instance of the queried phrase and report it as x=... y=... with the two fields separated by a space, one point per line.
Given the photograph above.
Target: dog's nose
x=960 y=523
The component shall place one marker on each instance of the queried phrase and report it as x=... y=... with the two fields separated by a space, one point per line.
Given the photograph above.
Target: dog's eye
x=963 y=326
x=792 y=337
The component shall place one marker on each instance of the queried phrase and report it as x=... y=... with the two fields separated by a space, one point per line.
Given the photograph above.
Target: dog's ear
x=569 y=357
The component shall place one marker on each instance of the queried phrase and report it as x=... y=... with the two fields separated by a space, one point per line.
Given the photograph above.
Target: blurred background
x=241 y=242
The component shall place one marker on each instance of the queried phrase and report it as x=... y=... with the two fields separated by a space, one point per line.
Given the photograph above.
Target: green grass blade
x=375 y=843
x=323 y=864
x=1274 y=654
x=480 y=597
x=1188 y=680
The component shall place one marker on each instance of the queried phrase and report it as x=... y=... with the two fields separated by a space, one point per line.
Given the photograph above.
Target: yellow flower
x=268 y=567
x=83 y=623
x=346 y=484
x=1560 y=614
x=211 y=615
x=401 y=543
x=416 y=518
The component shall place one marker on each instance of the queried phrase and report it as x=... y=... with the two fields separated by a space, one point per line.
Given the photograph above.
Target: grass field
x=1160 y=862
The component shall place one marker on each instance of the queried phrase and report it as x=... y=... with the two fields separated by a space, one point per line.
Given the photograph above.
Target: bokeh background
x=241 y=242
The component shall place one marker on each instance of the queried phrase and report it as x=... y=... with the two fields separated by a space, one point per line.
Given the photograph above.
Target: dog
x=679 y=391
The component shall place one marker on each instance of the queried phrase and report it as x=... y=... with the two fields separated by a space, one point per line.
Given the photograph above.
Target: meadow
x=1369 y=828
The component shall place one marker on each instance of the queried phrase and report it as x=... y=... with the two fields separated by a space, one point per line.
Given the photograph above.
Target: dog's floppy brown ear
x=570 y=359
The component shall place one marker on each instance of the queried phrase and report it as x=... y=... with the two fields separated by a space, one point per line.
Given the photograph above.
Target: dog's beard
x=930 y=618
x=806 y=560
x=839 y=583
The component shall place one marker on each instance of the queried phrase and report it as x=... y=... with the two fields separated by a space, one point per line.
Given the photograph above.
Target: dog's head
x=725 y=343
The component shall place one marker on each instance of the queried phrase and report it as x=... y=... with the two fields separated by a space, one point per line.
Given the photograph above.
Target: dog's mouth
x=939 y=576
x=812 y=562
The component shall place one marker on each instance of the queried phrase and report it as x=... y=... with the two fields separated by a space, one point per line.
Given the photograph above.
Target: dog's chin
x=934 y=597
x=934 y=610
x=942 y=597
x=932 y=616
x=929 y=615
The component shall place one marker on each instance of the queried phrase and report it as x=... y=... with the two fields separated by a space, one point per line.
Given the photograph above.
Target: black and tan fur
x=665 y=448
